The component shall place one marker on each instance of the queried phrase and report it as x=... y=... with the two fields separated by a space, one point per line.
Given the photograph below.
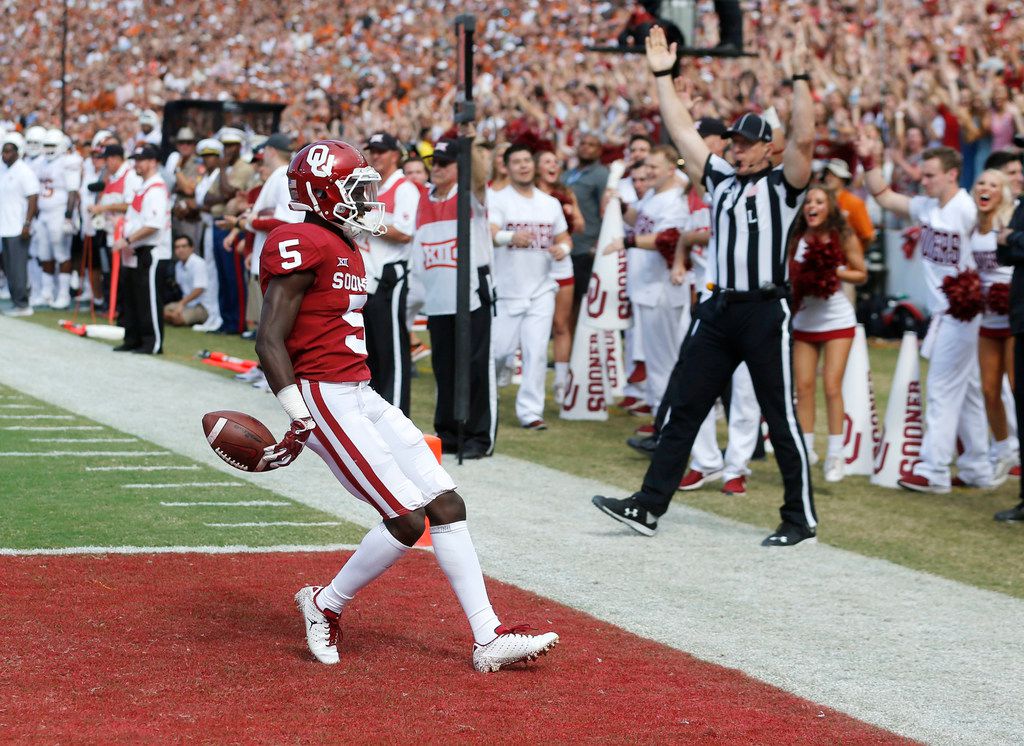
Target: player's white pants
x=526 y=324
x=954 y=406
x=633 y=354
x=53 y=242
x=373 y=449
x=663 y=328
x=744 y=430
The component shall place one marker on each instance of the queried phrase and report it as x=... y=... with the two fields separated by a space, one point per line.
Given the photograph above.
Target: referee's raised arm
x=799 y=153
x=661 y=57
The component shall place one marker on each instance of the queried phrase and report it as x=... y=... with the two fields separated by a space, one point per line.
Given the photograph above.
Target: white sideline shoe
x=511 y=646
x=834 y=469
x=322 y=631
x=250 y=376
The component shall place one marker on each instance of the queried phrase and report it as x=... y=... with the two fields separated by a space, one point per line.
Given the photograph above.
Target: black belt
x=767 y=292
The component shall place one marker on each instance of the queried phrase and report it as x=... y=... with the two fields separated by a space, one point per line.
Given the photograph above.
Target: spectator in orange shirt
x=837 y=177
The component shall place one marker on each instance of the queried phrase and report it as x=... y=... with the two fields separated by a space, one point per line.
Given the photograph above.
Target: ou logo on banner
x=320 y=161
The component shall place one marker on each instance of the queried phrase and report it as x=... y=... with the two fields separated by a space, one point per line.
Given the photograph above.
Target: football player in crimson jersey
x=311 y=346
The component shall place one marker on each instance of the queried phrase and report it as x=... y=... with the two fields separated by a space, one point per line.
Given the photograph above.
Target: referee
x=744 y=313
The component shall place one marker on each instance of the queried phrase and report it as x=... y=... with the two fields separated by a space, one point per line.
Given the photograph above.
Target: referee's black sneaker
x=628 y=511
x=1013 y=515
x=789 y=534
x=644 y=444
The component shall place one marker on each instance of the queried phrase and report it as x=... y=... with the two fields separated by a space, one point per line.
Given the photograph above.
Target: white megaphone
x=861 y=427
x=900 y=447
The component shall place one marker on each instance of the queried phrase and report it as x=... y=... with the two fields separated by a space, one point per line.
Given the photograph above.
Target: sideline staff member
x=746 y=318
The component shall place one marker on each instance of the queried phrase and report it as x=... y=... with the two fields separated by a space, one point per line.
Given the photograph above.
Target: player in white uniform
x=59 y=180
x=33 y=158
x=954 y=405
x=532 y=246
x=824 y=326
x=994 y=198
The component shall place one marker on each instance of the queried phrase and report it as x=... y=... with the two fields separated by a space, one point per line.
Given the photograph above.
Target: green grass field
x=951 y=535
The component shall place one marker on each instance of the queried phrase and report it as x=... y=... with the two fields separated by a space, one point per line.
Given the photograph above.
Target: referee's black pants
x=387 y=337
x=140 y=300
x=757 y=333
x=1018 y=385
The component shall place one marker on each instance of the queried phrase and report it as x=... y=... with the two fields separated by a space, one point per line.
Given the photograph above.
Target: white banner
x=585 y=386
x=862 y=434
x=904 y=421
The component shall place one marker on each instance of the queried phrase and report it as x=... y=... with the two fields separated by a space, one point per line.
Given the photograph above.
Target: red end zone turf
x=210 y=648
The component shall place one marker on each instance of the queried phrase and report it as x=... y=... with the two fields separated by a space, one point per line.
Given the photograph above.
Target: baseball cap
x=279 y=141
x=382 y=142
x=839 y=167
x=708 y=126
x=231 y=136
x=185 y=134
x=752 y=127
x=209 y=146
x=149 y=117
x=112 y=150
x=446 y=150
x=145 y=151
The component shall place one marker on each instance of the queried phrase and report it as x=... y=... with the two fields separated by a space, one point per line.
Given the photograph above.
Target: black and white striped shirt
x=751 y=217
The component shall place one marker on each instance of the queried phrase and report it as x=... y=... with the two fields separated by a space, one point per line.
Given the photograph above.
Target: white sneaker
x=250 y=376
x=812 y=457
x=322 y=631
x=559 y=393
x=35 y=301
x=19 y=311
x=504 y=377
x=511 y=646
x=1001 y=469
x=61 y=303
x=834 y=468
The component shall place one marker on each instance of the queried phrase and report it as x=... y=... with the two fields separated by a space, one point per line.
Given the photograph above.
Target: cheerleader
x=823 y=252
x=994 y=199
x=549 y=172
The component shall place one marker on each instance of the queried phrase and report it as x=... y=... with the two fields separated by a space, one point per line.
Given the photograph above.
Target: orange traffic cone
x=435 y=445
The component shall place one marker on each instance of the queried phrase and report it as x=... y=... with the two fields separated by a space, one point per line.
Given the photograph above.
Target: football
x=237 y=438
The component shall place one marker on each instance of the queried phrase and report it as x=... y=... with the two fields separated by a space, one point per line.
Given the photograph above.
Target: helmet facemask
x=358 y=207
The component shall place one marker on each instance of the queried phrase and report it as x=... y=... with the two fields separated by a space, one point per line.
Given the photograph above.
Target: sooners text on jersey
x=327 y=342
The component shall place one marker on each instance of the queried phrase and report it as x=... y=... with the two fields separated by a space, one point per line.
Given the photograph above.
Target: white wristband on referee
x=503 y=238
x=293 y=404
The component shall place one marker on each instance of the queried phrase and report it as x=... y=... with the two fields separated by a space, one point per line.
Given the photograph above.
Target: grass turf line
x=54 y=502
x=951 y=535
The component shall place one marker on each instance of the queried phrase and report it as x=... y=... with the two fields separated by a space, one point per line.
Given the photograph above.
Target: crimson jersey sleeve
x=290 y=248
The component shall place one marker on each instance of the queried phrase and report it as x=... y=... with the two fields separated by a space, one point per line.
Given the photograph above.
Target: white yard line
x=52 y=428
x=81 y=454
x=20 y=406
x=929 y=658
x=190 y=467
x=229 y=504
x=231 y=549
x=263 y=524
x=83 y=440
x=37 y=417
x=175 y=485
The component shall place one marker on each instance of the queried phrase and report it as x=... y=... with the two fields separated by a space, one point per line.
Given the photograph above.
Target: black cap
x=382 y=142
x=279 y=141
x=446 y=150
x=752 y=127
x=112 y=150
x=145 y=151
x=708 y=126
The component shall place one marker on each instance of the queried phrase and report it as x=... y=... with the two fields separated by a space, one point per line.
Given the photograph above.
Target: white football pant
x=525 y=324
x=663 y=328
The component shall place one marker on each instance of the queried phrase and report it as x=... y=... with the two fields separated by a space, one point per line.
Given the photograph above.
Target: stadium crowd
x=926 y=96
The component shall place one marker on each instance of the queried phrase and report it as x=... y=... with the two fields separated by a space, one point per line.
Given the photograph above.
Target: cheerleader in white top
x=823 y=253
x=994 y=199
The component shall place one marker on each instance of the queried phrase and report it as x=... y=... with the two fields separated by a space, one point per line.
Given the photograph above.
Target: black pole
x=465 y=112
x=64 y=69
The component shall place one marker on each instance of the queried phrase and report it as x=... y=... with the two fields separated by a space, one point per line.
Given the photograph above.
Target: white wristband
x=563 y=248
x=503 y=238
x=292 y=402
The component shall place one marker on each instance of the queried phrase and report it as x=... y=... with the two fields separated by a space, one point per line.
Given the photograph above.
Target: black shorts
x=582 y=266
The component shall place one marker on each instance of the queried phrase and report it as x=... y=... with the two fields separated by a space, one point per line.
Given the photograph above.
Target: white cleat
x=511 y=646
x=322 y=631
x=61 y=303
x=834 y=469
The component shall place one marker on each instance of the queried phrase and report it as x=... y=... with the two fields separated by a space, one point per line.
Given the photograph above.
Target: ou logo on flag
x=320 y=161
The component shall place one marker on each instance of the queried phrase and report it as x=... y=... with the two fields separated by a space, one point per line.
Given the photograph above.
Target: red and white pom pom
x=963 y=291
x=998 y=298
x=665 y=242
x=815 y=276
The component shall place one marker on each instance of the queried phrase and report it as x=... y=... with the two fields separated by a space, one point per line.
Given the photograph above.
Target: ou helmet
x=34 y=141
x=53 y=143
x=332 y=179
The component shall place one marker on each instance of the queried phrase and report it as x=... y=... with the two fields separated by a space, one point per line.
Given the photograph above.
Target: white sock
x=809 y=442
x=561 y=373
x=63 y=283
x=457 y=557
x=378 y=551
x=46 y=285
x=835 y=445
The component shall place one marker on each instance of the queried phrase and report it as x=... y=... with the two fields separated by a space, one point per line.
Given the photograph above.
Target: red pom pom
x=815 y=276
x=963 y=291
x=998 y=298
x=910 y=237
x=665 y=242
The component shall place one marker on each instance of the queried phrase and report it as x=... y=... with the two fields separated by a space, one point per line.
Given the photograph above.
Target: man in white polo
x=19 y=194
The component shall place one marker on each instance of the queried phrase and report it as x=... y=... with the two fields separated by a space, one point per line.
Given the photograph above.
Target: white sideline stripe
x=194 y=467
x=230 y=549
x=273 y=523
x=37 y=417
x=20 y=406
x=54 y=454
x=57 y=428
x=83 y=440
x=228 y=504
x=145 y=486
